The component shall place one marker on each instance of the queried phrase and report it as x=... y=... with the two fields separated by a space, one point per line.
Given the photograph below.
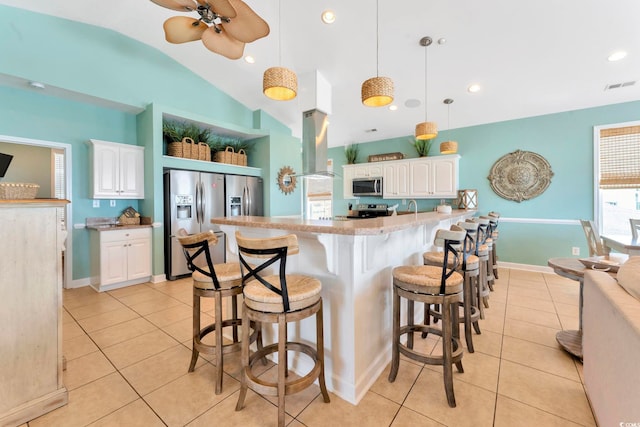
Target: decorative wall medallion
x=286 y=179
x=521 y=175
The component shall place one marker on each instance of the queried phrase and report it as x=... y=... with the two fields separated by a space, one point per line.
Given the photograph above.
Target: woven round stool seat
x=483 y=251
x=228 y=274
x=437 y=258
x=303 y=291
x=425 y=279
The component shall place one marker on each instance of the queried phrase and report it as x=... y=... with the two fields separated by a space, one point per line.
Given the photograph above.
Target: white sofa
x=611 y=348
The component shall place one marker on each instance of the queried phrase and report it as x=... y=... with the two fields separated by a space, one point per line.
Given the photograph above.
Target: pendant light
x=448 y=147
x=280 y=83
x=377 y=91
x=426 y=129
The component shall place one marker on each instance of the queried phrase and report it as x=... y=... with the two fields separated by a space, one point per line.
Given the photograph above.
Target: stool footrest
x=456 y=354
x=270 y=388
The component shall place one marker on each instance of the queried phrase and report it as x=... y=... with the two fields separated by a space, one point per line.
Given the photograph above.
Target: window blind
x=620 y=158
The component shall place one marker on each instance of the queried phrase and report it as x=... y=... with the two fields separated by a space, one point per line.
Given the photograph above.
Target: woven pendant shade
x=448 y=147
x=377 y=92
x=426 y=130
x=280 y=83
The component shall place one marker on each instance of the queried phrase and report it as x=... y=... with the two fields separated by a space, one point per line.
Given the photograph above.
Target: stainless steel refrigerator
x=243 y=195
x=191 y=199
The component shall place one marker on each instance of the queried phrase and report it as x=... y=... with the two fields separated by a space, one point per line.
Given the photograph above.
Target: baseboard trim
x=525 y=267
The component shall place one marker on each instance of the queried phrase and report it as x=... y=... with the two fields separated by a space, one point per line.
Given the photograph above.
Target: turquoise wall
x=564 y=139
x=28 y=114
x=108 y=66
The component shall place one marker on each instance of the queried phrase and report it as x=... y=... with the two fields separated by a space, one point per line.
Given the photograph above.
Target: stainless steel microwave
x=367 y=186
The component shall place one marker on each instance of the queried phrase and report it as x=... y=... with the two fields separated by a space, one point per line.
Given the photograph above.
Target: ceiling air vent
x=619 y=85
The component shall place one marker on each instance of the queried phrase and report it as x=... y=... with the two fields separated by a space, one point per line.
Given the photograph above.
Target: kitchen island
x=354 y=260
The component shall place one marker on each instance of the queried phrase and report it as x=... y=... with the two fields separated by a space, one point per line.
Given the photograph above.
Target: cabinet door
x=113 y=262
x=347 y=178
x=375 y=170
x=132 y=173
x=395 y=180
x=106 y=174
x=445 y=177
x=139 y=258
x=420 y=181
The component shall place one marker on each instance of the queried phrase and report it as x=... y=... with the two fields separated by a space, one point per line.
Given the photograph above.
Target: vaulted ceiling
x=530 y=58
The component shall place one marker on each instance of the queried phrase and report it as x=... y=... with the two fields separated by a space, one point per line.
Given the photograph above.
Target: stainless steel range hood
x=314 y=144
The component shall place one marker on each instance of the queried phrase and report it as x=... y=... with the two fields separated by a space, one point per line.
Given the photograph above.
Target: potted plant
x=422 y=146
x=351 y=153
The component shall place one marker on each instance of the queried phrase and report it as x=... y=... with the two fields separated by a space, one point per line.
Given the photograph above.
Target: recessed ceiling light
x=393 y=107
x=328 y=16
x=474 y=88
x=37 y=85
x=250 y=59
x=617 y=56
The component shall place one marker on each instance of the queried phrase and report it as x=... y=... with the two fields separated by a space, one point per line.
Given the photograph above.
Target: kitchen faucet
x=415 y=206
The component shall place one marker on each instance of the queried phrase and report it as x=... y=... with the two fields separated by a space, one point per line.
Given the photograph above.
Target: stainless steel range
x=364 y=210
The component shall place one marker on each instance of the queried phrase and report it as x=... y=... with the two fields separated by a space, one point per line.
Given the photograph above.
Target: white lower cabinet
x=120 y=257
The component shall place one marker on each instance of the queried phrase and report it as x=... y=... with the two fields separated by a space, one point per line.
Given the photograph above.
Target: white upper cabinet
x=395 y=180
x=434 y=177
x=117 y=169
x=422 y=178
x=360 y=170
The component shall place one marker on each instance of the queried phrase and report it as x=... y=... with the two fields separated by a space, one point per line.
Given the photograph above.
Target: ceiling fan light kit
x=426 y=129
x=280 y=84
x=224 y=26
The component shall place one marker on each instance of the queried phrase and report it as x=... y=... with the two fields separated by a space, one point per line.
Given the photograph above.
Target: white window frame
x=597 y=212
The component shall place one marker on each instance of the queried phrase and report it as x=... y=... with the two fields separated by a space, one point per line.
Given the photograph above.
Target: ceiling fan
x=224 y=26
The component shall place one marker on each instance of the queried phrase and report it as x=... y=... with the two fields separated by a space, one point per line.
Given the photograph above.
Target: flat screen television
x=5 y=160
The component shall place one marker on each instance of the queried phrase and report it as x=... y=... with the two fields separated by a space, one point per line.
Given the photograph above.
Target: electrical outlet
x=96 y=203
x=404 y=202
x=575 y=250
x=112 y=203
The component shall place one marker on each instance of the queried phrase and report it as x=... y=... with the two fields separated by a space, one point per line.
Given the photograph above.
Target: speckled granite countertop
x=371 y=226
x=112 y=227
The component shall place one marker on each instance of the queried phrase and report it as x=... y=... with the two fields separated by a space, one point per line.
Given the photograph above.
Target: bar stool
x=488 y=240
x=470 y=272
x=493 y=221
x=212 y=281
x=482 y=252
x=431 y=285
x=278 y=299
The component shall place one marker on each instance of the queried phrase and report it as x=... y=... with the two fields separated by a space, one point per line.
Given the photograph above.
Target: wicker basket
x=125 y=220
x=18 y=190
x=204 y=152
x=185 y=149
x=240 y=158
x=226 y=156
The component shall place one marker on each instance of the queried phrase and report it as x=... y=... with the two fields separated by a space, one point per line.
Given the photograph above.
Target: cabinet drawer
x=126 y=234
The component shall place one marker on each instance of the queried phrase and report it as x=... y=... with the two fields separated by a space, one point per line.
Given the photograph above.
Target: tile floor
x=128 y=351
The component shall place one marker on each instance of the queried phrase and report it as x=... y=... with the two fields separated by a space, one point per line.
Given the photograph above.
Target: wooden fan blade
x=181 y=5
x=247 y=26
x=222 y=7
x=222 y=44
x=182 y=29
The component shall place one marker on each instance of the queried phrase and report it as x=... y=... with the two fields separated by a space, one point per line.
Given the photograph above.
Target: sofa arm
x=611 y=345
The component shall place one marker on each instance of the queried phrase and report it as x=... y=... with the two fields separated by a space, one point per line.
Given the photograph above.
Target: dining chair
x=596 y=248
x=635 y=226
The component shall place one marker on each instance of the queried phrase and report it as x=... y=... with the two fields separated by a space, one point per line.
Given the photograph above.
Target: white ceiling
x=531 y=58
